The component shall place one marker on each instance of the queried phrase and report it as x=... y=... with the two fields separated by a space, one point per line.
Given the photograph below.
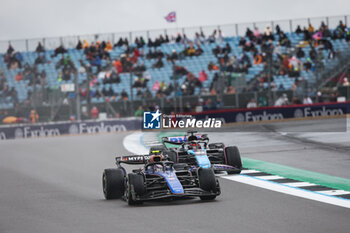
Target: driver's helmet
x=194 y=146
x=155 y=158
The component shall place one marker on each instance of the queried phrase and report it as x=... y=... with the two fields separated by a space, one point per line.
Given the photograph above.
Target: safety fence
x=238 y=29
x=264 y=114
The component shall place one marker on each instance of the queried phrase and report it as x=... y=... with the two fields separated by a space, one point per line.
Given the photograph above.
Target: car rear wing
x=179 y=140
x=133 y=159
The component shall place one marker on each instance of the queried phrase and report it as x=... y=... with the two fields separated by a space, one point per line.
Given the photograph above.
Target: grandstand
x=193 y=64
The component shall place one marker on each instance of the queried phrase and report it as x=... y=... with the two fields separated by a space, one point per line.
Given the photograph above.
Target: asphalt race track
x=54 y=185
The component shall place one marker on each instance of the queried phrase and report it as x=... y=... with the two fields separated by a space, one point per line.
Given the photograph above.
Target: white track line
x=334 y=192
x=271 y=177
x=248 y=171
x=300 y=184
x=289 y=190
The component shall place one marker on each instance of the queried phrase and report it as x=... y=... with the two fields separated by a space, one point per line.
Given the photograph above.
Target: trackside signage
x=65 y=128
x=277 y=113
x=157 y=120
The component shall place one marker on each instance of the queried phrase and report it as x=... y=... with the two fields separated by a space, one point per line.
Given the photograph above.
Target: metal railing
x=238 y=29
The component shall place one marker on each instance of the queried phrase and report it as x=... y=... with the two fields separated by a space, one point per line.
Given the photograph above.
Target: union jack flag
x=171 y=17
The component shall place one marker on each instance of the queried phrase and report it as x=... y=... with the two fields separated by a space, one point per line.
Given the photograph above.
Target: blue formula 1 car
x=195 y=150
x=157 y=179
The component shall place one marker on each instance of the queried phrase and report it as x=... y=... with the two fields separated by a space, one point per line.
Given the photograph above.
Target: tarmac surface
x=54 y=185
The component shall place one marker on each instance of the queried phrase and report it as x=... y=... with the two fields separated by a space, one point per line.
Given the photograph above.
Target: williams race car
x=195 y=150
x=157 y=179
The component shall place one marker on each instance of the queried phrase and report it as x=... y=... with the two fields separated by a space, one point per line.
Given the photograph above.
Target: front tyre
x=113 y=183
x=233 y=159
x=207 y=182
x=135 y=186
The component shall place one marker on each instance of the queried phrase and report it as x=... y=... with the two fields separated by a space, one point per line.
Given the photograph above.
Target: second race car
x=195 y=150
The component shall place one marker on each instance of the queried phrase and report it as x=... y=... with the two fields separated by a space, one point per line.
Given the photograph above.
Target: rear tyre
x=207 y=182
x=135 y=184
x=113 y=183
x=233 y=159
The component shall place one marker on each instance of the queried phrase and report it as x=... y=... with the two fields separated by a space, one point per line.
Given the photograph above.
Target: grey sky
x=21 y=19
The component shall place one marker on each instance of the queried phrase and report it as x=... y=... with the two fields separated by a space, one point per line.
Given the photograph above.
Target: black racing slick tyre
x=207 y=182
x=113 y=183
x=233 y=158
x=135 y=185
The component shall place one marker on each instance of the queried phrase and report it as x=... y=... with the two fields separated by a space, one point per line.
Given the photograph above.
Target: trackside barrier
x=132 y=123
x=67 y=128
x=277 y=113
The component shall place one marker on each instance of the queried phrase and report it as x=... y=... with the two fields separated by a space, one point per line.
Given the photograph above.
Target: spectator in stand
x=282 y=100
x=256 y=33
x=159 y=64
x=156 y=86
x=19 y=76
x=147 y=94
x=307 y=64
x=230 y=90
x=40 y=48
x=202 y=76
x=242 y=42
x=249 y=33
x=268 y=34
x=281 y=87
x=220 y=37
x=118 y=66
x=190 y=51
x=162 y=86
x=199 y=51
x=212 y=37
x=307 y=100
x=94 y=112
x=252 y=104
x=346 y=82
x=59 y=50
x=104 y=92
x=209 y=105
x=173 y=56
x=310 y=28
x=278 y=29
x=10 y=49
x=33 y=116
x=109 y=46
x=41 y=59
x=257 y=59
x=212 y=66
x=110 y=92
x=139 y=112
x=79 y=45
x=298 y=30
x=300 y=53
x=198 y=39
x=217 y=50
x=124 y=95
